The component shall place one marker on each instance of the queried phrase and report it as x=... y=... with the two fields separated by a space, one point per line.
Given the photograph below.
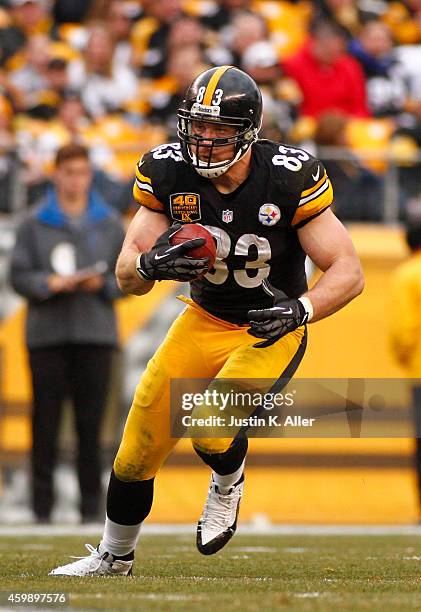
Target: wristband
x=308 y=307
x=141 y=274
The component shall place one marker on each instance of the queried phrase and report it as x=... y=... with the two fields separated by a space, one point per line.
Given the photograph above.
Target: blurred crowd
x=110 y=74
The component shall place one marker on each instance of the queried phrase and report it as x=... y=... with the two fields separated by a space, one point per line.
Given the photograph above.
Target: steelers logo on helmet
x=219 y=120
x=269 y=214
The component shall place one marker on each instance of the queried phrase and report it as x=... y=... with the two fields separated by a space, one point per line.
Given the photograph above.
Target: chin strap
x=210 y=171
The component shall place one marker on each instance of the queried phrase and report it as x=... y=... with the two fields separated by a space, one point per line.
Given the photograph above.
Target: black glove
x=273 y=323
x=167 y=262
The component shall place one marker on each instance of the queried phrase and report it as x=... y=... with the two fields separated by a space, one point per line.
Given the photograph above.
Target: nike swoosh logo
x=287 y=311
x=316 y=176
x=157 y=257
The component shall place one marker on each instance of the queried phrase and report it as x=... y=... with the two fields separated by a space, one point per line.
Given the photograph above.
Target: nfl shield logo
x=227 y=216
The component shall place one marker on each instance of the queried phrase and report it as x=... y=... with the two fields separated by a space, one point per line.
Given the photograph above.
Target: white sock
x=226 y=481
x=119 y=540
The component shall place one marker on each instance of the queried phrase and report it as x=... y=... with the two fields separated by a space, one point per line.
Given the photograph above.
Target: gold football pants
x=197 y=346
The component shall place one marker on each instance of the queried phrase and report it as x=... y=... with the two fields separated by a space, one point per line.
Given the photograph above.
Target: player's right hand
x=167 y=262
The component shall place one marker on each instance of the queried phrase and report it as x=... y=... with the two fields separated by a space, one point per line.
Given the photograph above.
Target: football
x=195 y=230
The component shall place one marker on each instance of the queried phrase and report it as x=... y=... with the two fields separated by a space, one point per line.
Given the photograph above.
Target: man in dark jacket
x=63 y=264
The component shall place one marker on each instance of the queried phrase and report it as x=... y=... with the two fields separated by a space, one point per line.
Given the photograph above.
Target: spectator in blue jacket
x=63 y=264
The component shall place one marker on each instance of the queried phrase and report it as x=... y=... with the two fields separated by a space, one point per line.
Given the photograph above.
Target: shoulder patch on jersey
x=185 y=207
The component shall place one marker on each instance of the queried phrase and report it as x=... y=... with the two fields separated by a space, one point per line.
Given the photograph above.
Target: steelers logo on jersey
x=269 y=214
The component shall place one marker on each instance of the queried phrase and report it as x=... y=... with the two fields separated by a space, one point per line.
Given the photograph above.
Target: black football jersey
x=255 y=226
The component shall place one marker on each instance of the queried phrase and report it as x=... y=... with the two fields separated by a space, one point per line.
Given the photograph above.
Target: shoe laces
x=220 y=506
x=94 y=559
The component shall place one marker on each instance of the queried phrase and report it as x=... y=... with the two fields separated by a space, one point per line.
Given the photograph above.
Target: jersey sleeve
x=145 y=184
x=316 y=195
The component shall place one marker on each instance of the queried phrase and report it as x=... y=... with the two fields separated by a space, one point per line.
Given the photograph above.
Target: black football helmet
x=227 y=96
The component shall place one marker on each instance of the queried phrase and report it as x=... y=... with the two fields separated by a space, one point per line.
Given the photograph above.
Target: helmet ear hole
x=226 y=96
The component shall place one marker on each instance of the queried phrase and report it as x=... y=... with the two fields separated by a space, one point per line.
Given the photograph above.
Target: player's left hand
x=273 y=323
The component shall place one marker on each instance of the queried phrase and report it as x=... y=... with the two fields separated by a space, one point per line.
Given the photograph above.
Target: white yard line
x=167 y=529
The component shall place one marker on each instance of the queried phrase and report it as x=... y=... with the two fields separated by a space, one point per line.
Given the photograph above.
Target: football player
x=267 y=206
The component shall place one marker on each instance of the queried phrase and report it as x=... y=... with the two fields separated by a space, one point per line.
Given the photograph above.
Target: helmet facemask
x=198 y=150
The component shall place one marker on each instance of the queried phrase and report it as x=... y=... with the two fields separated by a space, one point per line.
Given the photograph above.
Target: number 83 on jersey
x=242 y=248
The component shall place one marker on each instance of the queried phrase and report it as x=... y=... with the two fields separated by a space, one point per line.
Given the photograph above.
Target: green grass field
x=253 y=573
